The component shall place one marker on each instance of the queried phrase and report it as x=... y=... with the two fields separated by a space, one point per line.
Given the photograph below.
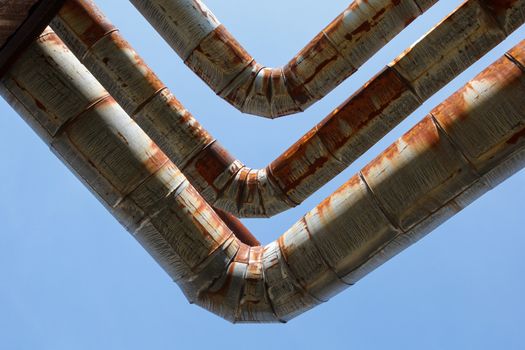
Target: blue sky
x=72 y=278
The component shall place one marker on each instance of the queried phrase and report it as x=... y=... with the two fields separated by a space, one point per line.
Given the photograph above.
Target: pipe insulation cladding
x=464 y=147
x=464 y=36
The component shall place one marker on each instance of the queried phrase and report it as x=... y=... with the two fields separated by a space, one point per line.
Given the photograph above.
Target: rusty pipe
x=466 y=146
x=322 y=153
x=335 y=53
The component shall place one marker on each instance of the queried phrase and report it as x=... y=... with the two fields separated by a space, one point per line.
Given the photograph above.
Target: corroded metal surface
x=453 y=45
x=335 y=53
x=466 y=146
x=21 y=21
x=12 y=14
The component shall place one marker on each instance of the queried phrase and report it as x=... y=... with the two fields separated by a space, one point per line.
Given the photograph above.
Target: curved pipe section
x=334 y=54
x=466 y=146
x=224 y=181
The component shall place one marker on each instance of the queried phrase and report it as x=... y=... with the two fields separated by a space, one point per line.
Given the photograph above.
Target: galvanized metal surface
x=327 y=149
x=466 y=146
x=335 y=53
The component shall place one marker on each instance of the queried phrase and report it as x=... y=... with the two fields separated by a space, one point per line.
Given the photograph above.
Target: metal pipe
x=335 y=53
x=20 y=23
x=466 y=146
x=224 y=181
x=13 y=15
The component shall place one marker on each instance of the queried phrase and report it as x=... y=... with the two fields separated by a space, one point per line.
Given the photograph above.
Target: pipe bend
x=471 y=142
x=208 y=49
x=323 y=152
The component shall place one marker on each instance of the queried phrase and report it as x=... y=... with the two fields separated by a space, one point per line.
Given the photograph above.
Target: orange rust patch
x=503 y=71
x=243 y=254
x=362 y=108
x=156 y=158
x=202 y=208
x=283 y=167
x=423 y=133
x=212 y=161
x=236 y=226
x=152 y=79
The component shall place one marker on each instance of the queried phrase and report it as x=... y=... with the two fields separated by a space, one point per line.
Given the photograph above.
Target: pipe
x=335 y=53
x=224 y=181
x=22 y=21
x=13 y=15
x=466 y=146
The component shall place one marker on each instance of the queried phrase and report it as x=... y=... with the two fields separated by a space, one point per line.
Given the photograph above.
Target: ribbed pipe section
x=466 y=146
x=334 y=54
x=322 y=153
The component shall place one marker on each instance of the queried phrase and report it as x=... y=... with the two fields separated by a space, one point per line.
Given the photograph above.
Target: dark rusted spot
x=295 y=87
x=378 y=14
x=240 y=179
x=212 y=161
x=238 y=54
x=40 y=105
x=220 y=50
x=236 y=226
x=499 y=6
x=516 y=137
x=364 y=27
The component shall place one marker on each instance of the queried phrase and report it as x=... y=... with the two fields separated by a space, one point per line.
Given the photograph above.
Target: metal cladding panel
x=334 y=54
x=316 y=158
x=160 y=173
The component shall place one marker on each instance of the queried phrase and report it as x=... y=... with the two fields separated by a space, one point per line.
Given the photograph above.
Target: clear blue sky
x=72 y=278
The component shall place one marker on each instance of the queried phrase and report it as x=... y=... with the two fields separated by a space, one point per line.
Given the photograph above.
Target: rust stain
x=239 y=230
x=516 y=137
x=156 y=158
x=203 y=223
x=361 y=109
x=40 y=105
x=212 y=161
x=500 y=6
x=238 y=54
x=202 y=209
x=243 y=254
x=149 y=76
x=423 y=134
x=90 y=24
x=457 y=107
x=285 y=165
